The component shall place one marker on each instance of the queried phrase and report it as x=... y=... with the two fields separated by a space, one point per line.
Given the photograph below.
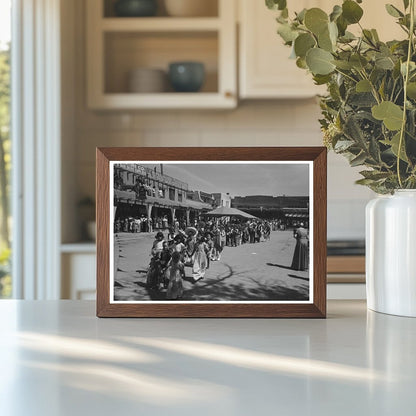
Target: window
x=161 y=191
x=172 y=194
x=179 y=197
x=5 y=159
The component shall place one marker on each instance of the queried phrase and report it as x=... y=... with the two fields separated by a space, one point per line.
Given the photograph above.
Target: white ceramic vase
x=391 y=253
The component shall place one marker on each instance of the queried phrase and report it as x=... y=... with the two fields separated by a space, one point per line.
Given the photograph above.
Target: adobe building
x=141 y=191
x=222 y=200
x=290 y=210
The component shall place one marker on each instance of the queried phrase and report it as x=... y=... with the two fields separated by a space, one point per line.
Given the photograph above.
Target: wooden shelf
x=346 y=264
x=117 y=45
x=127 y=101
x=84 y=247
x=160 y=24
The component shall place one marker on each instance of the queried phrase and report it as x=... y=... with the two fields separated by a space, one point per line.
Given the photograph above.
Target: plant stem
x=346 y=75
x=373 y=88
x=406 y=80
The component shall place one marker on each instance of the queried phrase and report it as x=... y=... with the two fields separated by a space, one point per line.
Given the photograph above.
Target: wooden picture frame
x=111 y=160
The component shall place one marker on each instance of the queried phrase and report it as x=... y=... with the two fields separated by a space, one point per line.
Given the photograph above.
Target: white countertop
x=57 y=358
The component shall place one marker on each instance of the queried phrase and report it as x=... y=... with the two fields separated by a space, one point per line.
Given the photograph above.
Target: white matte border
x=213 y=162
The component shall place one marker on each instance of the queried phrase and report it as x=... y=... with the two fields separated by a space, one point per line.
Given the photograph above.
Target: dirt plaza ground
x=249 y=272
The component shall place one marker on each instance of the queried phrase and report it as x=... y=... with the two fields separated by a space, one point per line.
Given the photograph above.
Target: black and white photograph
x=211 y=232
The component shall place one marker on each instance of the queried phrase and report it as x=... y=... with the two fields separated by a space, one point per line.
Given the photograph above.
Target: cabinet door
x=78 y=276
x=265 y=68
x=116 y=46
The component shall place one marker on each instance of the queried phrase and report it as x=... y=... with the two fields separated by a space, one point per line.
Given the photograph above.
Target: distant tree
x=5 y=144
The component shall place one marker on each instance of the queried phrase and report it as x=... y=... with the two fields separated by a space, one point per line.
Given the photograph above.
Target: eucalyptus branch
x=346 y=75
x=398 y=95
x=392 y=91
x=373 y=88
x=371 y=64
x=406 y=80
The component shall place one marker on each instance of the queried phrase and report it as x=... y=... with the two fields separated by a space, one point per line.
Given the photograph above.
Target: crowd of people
x=196 y=247
x=179 y=245
x=143 y=224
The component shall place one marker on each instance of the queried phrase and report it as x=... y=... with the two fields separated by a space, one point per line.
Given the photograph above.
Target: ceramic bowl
x=147 y=80
x=186 y=76
x=135 y=8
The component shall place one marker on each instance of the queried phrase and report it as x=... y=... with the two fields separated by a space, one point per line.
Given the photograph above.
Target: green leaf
x=342 y=25
x=365 y=182
x=374 y=150
x=287 y=33
x=354 y=132
x=351 y=11
x=282 y=20
x=301 y=15
x=368 y=36
x=303 y=43
x=321 y=79
x=384 y=62
x=406 y=4
x=358 y=61
x=393 y=11
x=344 y=65
x=363 y=86
x=394 y=143
x=412 y=67
x=301 y=63
x=343 y=145
x=347 y=37
x=375 y=35
x=276 y=4
x=358 y=160
x=374 y=174
x=336 y=12
x=405 y=21
x=388 y=112
x=320 y=61
x=411 y=90
x=362 y=99
x=382 y=89
x=325 y=42
x=316 y=20
x=333 y=32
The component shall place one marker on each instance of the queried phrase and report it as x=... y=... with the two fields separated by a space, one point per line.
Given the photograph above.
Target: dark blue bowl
x=186 y=76
x=135 y=8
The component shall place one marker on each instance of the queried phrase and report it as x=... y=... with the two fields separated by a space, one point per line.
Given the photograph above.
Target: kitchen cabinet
x=265 y=69
x=118 y=45
x=78 y=280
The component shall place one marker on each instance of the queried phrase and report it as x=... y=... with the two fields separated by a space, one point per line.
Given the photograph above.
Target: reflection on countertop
x=355 y=362
x=346 y=248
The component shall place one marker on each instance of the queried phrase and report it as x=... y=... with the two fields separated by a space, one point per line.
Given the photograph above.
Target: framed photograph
x=211 y=232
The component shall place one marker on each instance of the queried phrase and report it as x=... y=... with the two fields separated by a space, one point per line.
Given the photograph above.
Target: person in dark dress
x=301 y=255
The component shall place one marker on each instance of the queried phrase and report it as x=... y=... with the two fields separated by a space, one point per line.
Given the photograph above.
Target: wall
x=254 y=123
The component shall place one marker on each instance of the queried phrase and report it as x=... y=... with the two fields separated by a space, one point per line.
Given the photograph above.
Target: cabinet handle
x=229 y=94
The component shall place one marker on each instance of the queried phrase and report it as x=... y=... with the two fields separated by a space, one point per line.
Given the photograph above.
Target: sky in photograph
x=242 y=179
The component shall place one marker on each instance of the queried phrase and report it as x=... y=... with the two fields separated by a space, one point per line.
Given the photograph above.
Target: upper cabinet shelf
x=160 y=24
x=128 y=58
